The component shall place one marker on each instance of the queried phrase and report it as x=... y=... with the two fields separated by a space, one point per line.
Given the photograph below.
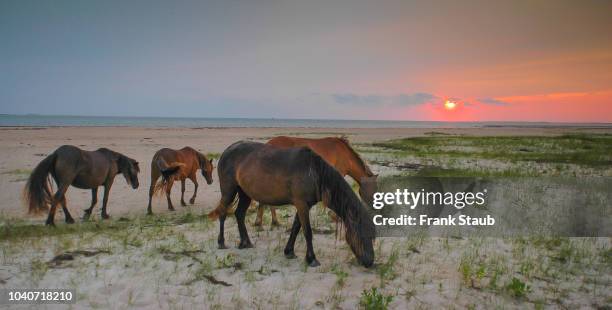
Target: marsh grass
x=374 y=299
x=387 y=270
x=212 y=155
x=15 y=229
x=19 y=174
x=591 y=150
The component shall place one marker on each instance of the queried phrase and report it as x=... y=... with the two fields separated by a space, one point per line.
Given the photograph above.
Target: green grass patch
x=375 y=300
x=16 y=229
x=473 y=172
x=387 y=270
x=592 y=150
x=517 y=288
x=212 y=155
x=19 y=172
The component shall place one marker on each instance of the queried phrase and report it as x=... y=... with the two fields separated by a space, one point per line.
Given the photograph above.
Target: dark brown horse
x=297 y=176
x=339 y=154
x=69 y=165
x=178 y=165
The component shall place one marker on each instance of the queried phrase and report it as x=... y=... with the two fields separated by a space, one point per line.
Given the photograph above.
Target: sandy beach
x=175 y=253
x=23 y=147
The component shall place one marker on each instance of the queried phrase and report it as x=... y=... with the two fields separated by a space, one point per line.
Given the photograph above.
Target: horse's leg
x=57 y=198
x=194 y=179
x=295 y=229
x=274 y=219
x=260 y=211
x=107 y=188
x=183 y=193
x=228 y=192
x=67 y=217
x=94 y=200
x=221 y=238
x=244 y=202
x=303 y=213
x=168 y=190
x=154 y=176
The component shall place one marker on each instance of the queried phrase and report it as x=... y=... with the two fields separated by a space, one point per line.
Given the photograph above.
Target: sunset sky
x=398 y=60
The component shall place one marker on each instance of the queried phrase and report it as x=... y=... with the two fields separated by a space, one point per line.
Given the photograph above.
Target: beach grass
x=15 y=229
x=592 y=150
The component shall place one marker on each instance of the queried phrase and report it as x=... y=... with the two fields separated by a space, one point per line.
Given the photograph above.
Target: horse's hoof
x=257 y=224
x=70 y=221
x=290 y=255
x=183 y=204
x=171 y=209
x=48 y=223
x=222 y=247
x=192 y=200
x=86 y=217
x=245 y=246
x=314 y=263
x=149 y=213
x=275 y=224
x=105 y=216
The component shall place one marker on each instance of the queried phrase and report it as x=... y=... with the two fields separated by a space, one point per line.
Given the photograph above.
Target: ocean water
x=7 y=120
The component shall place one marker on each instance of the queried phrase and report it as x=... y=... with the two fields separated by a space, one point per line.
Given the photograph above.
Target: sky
x=398 y=60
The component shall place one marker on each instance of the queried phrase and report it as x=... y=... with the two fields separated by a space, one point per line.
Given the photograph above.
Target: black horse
x=298 y=176
x=70 y=165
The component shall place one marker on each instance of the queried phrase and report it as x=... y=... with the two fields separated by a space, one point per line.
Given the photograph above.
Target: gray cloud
x=369 y=100
x=492 y=101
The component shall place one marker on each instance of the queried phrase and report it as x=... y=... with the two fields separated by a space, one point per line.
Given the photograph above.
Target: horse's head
x=130 y=169
x=367 y=188
x=207 y=168
x=360 y=235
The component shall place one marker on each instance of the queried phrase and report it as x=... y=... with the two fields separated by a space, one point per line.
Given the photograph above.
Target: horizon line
x=309 y=119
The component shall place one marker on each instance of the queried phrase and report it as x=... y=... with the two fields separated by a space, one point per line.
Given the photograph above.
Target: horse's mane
x=340 y=197
x=202 y=159
x=365 y=166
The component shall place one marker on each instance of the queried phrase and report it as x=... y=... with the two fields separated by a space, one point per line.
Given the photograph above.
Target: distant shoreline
x=55 y=121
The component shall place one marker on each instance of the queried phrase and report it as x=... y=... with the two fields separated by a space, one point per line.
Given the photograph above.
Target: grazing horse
x=69 y=165
x=339 y=154
x=298 y=176
x=178 y=164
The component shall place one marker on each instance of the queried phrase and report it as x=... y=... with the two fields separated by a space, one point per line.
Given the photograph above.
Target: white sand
x=137 y=273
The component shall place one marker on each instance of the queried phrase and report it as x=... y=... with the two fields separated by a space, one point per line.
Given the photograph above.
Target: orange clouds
x=587 y=107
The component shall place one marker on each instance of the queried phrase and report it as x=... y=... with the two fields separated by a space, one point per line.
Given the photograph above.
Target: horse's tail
x=219 y=210
x=37 y=191
x=167 y=171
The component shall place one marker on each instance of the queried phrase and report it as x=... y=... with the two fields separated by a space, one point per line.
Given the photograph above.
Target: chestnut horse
x=178 y=165
x=339 y=154
x=298 y=176
x=69 y=165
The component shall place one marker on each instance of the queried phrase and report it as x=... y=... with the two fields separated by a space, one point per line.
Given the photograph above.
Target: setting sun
x=449 y=105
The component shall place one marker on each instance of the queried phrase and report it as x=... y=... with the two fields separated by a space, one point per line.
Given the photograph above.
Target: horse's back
x=84 y=168
x=245 y=153
x=267 y=173
x=68 y=150
x=172 y=154
x=331 y=149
